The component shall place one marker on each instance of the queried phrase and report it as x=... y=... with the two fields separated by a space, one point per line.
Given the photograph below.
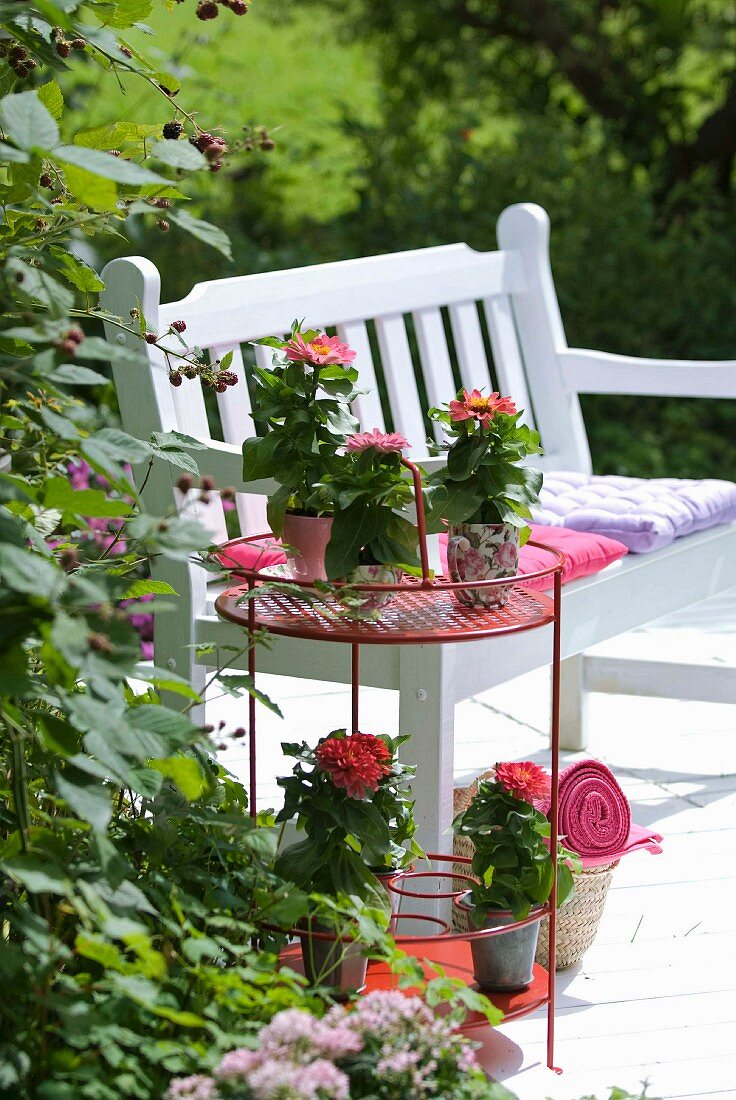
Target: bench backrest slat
x=396 y=311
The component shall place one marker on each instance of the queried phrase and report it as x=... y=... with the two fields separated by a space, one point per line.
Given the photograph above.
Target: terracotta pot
x=308 y=535
x=505 y=962
x=482 y=552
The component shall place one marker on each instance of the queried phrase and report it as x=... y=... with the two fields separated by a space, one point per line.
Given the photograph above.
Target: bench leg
x=573 y=704
x=426 y=713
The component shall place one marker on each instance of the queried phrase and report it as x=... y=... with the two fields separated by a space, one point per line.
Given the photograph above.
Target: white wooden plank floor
x=655 y=997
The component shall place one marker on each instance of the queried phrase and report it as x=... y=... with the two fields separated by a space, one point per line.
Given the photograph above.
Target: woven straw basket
x=577 y=920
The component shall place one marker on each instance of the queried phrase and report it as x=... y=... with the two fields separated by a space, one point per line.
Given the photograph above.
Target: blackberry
x=207 y=482
x=207 y=9
x=21 y=70
x=150 y=337
x=185 y=483
x=221 y=387
x=163 y=225
x=75 y=333
x=79 y=43
x=63 y=48
x=175 y=378
x=45 y=180
x=179 y=326
x=267 y=144
x=17 y=53
x=229 y=377
x=173 y=130
x=238 y=7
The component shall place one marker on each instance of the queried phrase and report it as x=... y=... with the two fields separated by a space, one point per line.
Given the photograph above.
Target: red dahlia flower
x=524 y=780
x=356 y=763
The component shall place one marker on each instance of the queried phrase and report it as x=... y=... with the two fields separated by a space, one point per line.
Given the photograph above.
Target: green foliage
x=482 y=481
x=511 y=859
x=303 y=406
x=348 y=833
x=370 y=492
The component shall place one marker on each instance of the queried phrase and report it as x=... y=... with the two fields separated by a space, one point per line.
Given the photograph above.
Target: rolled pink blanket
x=594 y=815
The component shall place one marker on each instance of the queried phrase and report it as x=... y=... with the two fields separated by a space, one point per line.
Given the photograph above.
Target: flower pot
x=336 y=963
x=308 y=536
x=363 y=602
x=482 y=552
x=505 y=962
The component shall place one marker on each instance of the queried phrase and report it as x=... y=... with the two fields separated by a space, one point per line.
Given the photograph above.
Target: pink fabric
x=585 y=553
x=594 y=816
x=640 y=839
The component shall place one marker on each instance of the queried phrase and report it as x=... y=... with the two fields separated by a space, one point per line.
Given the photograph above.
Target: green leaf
x=148 y=588
x=27 y=572
x=81 y=502
x=178 y=154
x=38 y=874
x=126 y=13
x=86 y=796
x=109 y=447
x=185 y=772
x=69 y=374
x=115 y=135
x=79 y=274
x=13 y=156
x=235 y=685
x=27 y=121
x=103 y=164
x=91 y=190
x=51 y=97
x=202 y=230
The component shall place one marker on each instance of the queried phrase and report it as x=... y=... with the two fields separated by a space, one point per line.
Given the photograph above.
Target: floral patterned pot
x=308 y=537
x=481 y=552
x=363 y=602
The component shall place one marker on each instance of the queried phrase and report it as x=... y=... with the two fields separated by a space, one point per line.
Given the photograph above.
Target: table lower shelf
x=453 y=955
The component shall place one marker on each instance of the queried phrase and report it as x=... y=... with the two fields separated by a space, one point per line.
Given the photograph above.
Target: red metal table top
x=453 y=955
x=415 y=616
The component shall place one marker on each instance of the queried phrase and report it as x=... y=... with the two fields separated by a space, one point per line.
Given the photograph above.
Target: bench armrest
x=600 y=372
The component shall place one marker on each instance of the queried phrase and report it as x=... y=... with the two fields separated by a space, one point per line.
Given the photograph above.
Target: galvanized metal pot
x=339 y=964
x=503 y=963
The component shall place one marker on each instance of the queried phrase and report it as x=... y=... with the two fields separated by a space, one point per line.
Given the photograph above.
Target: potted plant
x=513 y=865
x=482 y=492
x=350 y=795
x=302 y=406
x=372 y=538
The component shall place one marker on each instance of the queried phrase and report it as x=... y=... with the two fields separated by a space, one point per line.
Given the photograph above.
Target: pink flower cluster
x=399 y=1036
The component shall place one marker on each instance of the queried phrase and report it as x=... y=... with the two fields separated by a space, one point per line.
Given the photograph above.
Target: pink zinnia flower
x=474 y=406
x=524 y=779
x=356 y=763
x=322 y=350
x=383 y=442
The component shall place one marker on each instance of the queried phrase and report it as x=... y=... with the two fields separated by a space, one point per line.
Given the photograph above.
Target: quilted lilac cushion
x=643 y=514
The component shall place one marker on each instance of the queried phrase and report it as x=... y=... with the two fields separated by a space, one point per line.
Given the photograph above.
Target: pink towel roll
x=594 y=815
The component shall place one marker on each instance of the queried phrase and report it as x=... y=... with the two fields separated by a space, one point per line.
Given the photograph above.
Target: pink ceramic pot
x=308 y=535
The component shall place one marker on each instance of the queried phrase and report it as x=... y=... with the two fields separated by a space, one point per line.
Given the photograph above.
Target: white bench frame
x=532 y=363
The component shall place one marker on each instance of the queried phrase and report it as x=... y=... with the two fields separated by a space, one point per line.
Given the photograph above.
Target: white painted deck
x=655 y=997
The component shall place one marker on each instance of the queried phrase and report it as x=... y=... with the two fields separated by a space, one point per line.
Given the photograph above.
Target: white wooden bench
x=369 y=300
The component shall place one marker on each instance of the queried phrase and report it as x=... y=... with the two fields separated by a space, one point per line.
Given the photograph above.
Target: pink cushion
x=585 y=553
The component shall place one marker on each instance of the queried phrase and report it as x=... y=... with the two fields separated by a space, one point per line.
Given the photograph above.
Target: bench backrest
x=420 y=322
